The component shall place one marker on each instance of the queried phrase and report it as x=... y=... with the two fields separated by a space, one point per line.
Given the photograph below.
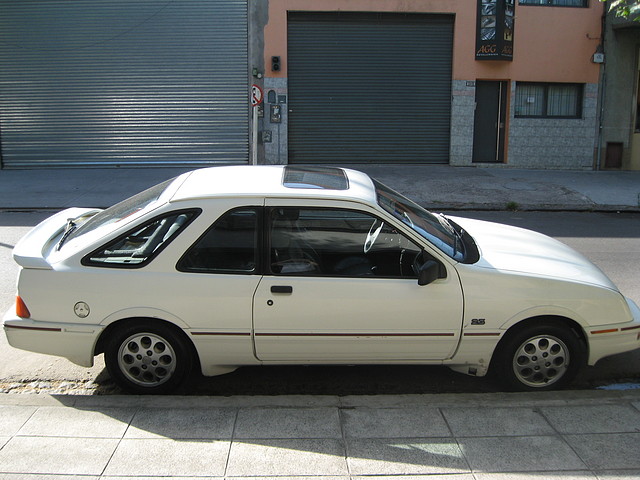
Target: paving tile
x=61 y=456
x=212 y=423
x=72 y=422
x=287 y=457
x=444 y=476
x=40 y=400
x=288 y=423
x=12 y=418
x=496 y=422
x=414 y=456
x=519 y=454
x=315 y=477
x=619 y=475
x=593 y=419
x=607 y=451
x=109 y=477
x=166 y=457
x=536 y=476
x=29 y=476
x=409 y=422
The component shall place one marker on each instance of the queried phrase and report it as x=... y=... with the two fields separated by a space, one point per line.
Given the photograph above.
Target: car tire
x=536 y=357
x=148 y=357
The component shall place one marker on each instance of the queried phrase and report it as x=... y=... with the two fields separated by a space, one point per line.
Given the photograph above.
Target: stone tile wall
x=555 y=143
x=532 y=142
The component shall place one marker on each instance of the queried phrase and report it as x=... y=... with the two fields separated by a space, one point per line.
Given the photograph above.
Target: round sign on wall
x=256 y=95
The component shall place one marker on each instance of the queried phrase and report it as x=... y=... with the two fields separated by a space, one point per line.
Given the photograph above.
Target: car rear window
x=139 y=246
x=118 y=212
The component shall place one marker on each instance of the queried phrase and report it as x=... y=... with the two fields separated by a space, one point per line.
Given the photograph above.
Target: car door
x=340 y=286
x=215 y=284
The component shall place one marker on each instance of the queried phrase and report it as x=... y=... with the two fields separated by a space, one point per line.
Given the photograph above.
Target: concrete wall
x=551 y=44
x=620 y=85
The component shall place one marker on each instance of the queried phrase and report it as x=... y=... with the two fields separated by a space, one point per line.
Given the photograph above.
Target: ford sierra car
x=270 y=265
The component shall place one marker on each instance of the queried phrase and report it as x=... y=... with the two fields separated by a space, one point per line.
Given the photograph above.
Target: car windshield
x=142 y=201
x=435 y=228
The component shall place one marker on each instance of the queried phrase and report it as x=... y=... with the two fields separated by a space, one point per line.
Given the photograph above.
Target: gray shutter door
x=121 y=82
x=369 y=88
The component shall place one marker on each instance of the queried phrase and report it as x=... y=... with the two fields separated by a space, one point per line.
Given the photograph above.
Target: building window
x=548 y=100
x=556 y=3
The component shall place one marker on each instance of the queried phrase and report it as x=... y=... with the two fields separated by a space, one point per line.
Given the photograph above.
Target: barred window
x=556 y=3
x=553 y=100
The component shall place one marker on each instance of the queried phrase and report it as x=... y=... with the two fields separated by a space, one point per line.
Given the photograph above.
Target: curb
x=477 y=400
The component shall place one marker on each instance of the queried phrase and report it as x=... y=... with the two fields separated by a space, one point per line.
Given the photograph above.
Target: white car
x=249 y=265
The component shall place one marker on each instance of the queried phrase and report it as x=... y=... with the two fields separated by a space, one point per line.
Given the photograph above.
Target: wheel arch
x=104 y=335
x=567 y=322
x=557 y=320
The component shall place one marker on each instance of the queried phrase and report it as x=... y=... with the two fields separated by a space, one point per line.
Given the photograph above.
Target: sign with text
x=494 y=31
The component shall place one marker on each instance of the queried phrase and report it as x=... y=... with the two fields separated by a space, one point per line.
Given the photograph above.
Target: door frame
x=280 y=335
x=502 y=121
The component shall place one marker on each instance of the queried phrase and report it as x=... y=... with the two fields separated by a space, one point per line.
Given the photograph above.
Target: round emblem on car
x=81 y=309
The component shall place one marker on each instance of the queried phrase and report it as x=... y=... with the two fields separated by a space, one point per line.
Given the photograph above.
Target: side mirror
x=429 y=272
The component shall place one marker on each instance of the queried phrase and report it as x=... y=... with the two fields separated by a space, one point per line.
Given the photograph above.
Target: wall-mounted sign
x=494 y=31
x=256 y=95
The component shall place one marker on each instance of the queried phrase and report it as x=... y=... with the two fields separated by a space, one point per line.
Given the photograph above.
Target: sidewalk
x=439 y=187
x=568 y=435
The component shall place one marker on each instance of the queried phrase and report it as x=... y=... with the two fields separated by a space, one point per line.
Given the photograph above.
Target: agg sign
x=256 y=95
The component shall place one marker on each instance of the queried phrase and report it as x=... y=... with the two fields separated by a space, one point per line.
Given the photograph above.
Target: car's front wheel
x=541 y=356
x=148 y=357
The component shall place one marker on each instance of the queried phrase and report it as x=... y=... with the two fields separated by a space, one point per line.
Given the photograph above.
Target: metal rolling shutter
x=369 y=88
x=121 y=82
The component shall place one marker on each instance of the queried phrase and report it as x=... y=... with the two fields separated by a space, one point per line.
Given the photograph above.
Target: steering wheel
x=372 y=235
x=417 y=263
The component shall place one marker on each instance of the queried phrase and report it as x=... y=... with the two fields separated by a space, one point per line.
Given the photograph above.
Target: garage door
x=117 y=82
x=369 y=88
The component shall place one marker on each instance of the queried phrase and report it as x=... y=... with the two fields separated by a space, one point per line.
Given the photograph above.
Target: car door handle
x=281 y=289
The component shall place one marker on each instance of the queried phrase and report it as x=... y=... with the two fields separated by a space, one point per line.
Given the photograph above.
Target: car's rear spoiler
x=30 y=250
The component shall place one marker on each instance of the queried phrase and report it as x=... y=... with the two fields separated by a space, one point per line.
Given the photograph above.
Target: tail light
x=21 y=308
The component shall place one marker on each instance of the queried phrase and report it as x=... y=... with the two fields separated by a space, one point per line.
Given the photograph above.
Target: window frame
x=585 y=4
x=258 y=247
x=400 y=231
x=546 y=86
x=88 y=262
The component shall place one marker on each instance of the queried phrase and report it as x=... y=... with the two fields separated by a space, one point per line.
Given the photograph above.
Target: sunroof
x=327 y=178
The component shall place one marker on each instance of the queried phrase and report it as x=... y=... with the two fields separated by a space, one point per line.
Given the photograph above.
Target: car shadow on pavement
x=324 y=380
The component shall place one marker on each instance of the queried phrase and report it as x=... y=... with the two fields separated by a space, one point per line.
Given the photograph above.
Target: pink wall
x=551 y=44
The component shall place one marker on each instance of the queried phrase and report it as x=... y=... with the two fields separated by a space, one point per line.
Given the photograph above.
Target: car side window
x=229 y=246
x=140 y=245
x=337 y=242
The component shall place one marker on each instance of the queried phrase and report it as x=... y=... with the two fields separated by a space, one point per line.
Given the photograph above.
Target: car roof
x=279 y=181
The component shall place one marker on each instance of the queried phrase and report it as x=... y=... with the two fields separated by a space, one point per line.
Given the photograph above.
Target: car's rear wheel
x=539 y=357
x=147 y=357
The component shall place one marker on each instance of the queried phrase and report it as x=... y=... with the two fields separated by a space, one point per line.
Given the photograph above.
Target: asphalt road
x=612 y=241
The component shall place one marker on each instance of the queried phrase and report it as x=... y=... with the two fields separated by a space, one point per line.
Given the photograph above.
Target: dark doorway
x=613 y=155
x=489 y=122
